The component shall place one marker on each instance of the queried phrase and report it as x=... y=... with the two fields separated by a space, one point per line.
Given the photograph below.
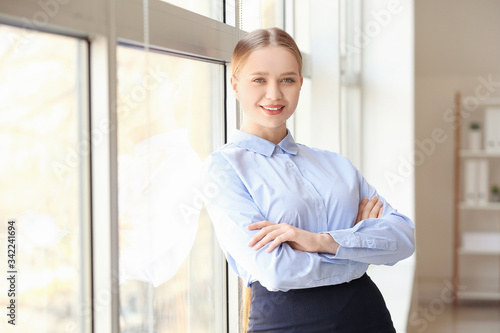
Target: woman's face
x=268 y=88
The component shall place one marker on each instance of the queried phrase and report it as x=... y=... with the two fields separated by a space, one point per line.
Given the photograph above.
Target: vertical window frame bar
x=104 y=182
x=102 y=163
x=85 y=315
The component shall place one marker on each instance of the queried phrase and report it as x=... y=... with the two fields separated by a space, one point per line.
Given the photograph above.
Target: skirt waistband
x=355 y=306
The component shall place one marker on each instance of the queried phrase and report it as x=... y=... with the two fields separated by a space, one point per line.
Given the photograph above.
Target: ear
x=301 y=81
x=234 y=85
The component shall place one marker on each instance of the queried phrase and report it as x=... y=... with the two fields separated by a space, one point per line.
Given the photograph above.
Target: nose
x=273 y=92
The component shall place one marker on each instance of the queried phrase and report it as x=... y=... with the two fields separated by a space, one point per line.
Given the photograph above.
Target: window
x=331 y=93
x=44 y=180
x=154 y=117
x=169 y=119
x=261 y=14
x=209 y=8
x=350 y=80
x=302 y=25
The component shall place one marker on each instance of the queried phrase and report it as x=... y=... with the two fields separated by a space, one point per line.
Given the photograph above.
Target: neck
x=274 y=135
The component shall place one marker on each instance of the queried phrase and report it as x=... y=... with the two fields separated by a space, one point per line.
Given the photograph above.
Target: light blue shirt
x=251 y=179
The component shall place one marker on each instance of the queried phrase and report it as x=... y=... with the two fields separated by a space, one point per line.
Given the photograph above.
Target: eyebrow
x=283 y=74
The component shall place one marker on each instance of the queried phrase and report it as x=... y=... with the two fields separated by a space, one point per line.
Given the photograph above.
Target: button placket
x=317 y=200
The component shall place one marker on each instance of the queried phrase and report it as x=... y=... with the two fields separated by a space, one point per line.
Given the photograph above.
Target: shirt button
x=320 y=206
x=289 y=164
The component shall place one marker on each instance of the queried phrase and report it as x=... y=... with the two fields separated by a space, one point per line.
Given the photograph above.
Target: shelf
x=479 y=252
x=479 y=295
x=480 y=206
x=475 y=245
x=480 y=243
x=489 y=101
x=479 y=154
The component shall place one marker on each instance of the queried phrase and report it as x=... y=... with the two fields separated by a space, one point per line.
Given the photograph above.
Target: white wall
x=388 y=103
x=456 y=43
x=388 y=120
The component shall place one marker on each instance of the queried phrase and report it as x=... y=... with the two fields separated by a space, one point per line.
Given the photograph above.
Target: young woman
x=294 y=222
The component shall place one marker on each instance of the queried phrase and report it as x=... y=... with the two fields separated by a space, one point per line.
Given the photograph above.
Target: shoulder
x=224 y=154
x=217 y=157
x=323 y=154
x=224 y=158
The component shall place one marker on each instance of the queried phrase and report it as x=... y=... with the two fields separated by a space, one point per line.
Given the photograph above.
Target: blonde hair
x=259 y=39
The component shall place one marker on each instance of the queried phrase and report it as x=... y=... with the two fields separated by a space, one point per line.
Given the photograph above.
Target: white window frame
x=105 y=23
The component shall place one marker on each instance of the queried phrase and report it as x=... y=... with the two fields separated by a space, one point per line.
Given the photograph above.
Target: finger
x=273 y=236
x=260 y=235
x=360 y=209
x=283 y=237
x=264 y=236
x=275 y=243
x=380 y=212
x=259 y=225
x=375 y=210
x=368 y=208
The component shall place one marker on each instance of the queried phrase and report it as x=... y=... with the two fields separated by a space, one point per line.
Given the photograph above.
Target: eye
x=289 y=80
x=258 y=80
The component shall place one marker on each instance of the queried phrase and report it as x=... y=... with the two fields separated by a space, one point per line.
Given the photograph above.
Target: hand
x=369 y=209
x=297 y=238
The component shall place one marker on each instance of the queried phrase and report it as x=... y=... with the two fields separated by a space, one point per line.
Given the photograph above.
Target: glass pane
x=170 y=113
x=209 y=8
x=350 y=89
x=43 y=147
x=258 y=14
x=302 y=22
x=303 y=116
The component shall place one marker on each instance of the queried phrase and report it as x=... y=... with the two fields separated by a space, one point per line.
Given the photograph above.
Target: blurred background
x=108 y=109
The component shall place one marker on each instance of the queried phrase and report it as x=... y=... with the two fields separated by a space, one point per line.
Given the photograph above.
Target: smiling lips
x=272 y=109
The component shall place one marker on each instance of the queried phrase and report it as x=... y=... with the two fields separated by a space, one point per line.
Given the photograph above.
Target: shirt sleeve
x=231 y=209
x=383 y=241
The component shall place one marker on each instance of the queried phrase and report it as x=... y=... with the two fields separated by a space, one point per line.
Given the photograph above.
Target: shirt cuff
x=351 y=245
x=345 y=239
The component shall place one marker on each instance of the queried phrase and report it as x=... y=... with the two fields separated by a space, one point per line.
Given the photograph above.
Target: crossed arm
x=318 y=258
x=303 y=240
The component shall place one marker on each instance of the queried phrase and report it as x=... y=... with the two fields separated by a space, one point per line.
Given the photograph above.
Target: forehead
x=271 y=59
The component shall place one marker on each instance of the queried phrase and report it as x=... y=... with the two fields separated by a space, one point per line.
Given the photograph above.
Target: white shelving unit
x=478 y=154
x=475 y=295
x=489 y=206
x=476 y=224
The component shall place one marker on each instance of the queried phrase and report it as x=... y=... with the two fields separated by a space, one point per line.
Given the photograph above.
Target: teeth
x=272 y=109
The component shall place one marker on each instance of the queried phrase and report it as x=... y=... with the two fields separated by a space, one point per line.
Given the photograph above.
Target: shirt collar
x=262 y=146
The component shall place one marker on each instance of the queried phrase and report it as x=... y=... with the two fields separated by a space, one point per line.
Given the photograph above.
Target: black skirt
x=351 y=307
